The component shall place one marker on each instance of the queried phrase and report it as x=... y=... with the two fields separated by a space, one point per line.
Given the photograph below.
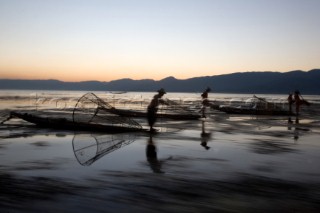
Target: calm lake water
x=221 y=163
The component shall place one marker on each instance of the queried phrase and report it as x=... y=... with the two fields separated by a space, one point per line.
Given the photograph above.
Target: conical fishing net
x=90 y=148
x=92 y=109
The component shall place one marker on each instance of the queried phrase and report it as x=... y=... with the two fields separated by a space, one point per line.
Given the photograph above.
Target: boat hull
x=65 y=124
x=131 y=113
x=235 y=110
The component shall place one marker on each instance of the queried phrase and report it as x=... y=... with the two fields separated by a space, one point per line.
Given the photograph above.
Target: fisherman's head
x=161 y=91
x=205 y=93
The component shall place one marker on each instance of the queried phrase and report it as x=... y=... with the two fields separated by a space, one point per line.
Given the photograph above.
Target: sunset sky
x=78 y=40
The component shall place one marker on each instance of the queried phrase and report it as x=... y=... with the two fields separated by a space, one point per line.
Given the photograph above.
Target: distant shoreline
x=236 y=83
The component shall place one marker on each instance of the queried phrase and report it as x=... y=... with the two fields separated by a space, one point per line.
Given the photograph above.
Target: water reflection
x=151 y=153
x=244 y=193
x=205 y=137
x=298 y=128
x=290 y=122
x=90 y=148
x=271 y=146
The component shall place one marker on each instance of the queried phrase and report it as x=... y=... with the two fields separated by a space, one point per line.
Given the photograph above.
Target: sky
x=104 y=40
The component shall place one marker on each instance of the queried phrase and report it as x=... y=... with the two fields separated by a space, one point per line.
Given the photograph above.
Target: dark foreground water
x=224 y=163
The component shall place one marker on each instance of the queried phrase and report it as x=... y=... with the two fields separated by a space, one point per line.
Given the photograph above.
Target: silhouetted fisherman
x=153 y=108
x=290 y=102
x=205 y=102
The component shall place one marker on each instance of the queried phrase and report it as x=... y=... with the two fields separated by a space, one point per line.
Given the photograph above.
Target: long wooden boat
x=256 y=106
x=174 y=116
x=252 y=111
x=66 y=124
x=175 y=112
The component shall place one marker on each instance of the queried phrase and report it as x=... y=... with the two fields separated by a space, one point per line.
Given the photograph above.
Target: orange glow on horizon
x=99 y=72
x=85 y=74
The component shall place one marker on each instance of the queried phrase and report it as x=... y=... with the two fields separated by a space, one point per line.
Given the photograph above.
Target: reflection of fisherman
x=151 y=152
x=205 y=102
x=153 y=108
x=205 y=137
x=296 y=131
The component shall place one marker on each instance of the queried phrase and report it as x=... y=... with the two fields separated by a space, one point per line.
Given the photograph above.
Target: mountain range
x=308 y=82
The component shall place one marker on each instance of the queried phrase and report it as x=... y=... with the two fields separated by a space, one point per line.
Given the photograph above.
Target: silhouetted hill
x=245 y=82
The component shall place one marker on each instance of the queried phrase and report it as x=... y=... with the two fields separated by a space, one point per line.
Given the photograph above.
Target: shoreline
x=222 y=163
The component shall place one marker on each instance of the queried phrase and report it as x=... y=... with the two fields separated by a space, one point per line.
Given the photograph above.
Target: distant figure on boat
x=298 y=100
x=153 y=108
x=205 y=102
x=290 y=102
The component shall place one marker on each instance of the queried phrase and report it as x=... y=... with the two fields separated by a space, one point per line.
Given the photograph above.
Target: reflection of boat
x=62 y=122
x=90 y=148
x=256 y=106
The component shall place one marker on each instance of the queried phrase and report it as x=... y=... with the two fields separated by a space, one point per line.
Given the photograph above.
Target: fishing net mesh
x=92 y=109
x=90 y=148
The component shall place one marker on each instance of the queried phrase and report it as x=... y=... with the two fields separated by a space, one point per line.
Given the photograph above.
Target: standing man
x=205 y=102
x=153 y=108
x=298 y=100
x=290 y=102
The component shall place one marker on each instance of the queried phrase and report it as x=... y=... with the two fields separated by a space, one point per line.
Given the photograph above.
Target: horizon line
x=50 y=79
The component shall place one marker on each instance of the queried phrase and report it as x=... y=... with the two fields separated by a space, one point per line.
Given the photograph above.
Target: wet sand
x=224 y=163
x=231 y=164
